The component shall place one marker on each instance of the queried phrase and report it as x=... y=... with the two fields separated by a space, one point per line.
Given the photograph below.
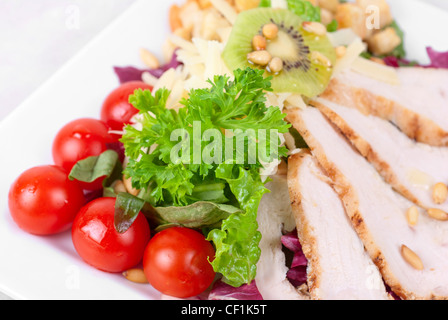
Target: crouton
x=350 y=15
x=384 y=42
x=377 y=7
x=330 y=5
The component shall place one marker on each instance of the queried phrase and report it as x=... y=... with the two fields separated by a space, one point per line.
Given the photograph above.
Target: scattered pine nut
x=118 y=187
x=135 y=275
x=412 y=215
x=314 y=27
x=243 y=5
x=341 y=51
x=149 y=59
x=261 y=58
x=378 y=60
x=440 y=193
x=438 y=214
x=412 y=258
x=184 y=32
x=128 y=185
x=259 y=43
x=276 y=65
x=204 y=4
x=319 y=57
x=270 y=31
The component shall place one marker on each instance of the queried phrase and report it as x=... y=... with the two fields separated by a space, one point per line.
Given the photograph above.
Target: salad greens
x=200 y=166
x=304 y=9
x=399 y=52
x=106 y=165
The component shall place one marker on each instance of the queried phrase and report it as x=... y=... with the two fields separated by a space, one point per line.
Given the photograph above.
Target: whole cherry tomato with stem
x=116 y=111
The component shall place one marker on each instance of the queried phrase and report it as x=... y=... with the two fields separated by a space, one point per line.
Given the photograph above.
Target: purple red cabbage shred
x=438 y=60
x=128 y=74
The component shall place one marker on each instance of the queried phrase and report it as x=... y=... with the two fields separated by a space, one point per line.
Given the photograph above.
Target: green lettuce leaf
x=305 y=10
x=237 y=250
x=234 y=133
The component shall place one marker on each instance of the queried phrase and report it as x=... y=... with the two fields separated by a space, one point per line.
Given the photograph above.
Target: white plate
x=34 y=267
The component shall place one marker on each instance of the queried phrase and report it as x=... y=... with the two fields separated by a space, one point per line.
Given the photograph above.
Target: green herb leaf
x=305 y=10
x=127 y=208
x=198 y=215
x=90 y=169
x=399 y=51
x=237 y=106
x=265 y=4
x=333 y=26
x=193 y=174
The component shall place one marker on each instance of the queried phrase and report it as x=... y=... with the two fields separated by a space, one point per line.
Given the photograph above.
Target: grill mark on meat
x=414 y=125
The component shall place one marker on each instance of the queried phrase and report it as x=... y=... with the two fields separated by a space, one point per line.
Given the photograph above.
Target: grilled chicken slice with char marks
x=418 y=106
x=378 y=214
x=412 y=168
x=338 y=266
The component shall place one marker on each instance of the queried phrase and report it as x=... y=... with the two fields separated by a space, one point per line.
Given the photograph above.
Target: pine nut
x=128 y=185
x=135 y=275
x=204 y=4
x=378 y=60
x=412 y=215
x=438 y=214
x=341 y=51
x=243 y=5
x=149 y=59
x=184 y=32
x=412 y=258
x=270 y=31
x=315 y=27
x=319 y=57
x=276 y=65
x=440 y=193
x=262 y=58
x=259 y=43
x=119 y=187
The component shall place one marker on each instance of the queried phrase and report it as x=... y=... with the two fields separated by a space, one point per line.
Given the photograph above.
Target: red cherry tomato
x=176 y=262
x=100 y=245
x=43 y=201
x=78 y=140
x=116 y=110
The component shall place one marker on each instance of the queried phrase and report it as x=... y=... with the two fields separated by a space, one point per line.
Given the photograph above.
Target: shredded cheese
x=342 y=37
x=279 y=4
x=353 y=51
x=295 y=101
x=226 y=10
x=375 y=71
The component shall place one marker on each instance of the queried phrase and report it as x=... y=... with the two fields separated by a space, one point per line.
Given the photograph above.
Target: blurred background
x=37 y=37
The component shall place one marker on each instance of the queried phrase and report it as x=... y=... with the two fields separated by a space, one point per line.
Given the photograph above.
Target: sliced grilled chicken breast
x=418 y=106
x=274 y=217
x=412 y=168
x=413 y=260
x=339 y=268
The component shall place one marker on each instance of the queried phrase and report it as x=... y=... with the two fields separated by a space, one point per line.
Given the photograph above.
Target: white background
x=38 y=37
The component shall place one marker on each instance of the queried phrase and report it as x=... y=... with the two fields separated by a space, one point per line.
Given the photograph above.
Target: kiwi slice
x=307 y=57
